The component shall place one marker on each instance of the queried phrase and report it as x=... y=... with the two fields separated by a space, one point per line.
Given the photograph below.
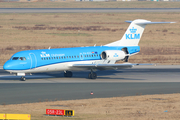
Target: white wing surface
x=103 y=66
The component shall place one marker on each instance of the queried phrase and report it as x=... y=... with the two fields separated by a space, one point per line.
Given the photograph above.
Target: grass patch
x=59 y=30
x=140 y=107
x=73 y=4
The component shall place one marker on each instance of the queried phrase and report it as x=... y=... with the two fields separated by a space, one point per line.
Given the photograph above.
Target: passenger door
x=33 y=60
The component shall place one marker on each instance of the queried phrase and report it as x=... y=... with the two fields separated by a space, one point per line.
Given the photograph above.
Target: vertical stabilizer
x=134 y=33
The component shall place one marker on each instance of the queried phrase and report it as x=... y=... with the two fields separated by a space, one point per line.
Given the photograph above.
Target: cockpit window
x=22 y=58
x=18 y=58
x=15 y=58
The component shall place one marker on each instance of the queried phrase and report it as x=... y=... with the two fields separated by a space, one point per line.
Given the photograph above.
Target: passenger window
x=44 y=58
x=49 y=58
x=59 y=57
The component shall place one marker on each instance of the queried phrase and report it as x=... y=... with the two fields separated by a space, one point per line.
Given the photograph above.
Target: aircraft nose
x=6 y=66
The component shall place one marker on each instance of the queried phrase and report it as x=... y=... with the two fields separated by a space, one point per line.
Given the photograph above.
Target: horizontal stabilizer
x=149 y=22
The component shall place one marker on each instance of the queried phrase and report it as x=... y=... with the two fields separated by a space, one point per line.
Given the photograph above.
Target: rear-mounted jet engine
x=115 y=55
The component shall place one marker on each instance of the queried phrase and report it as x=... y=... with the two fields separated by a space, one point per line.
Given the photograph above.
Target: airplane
x=91 y=58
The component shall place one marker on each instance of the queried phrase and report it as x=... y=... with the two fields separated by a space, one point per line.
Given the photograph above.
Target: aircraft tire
x=92 y=75
x=89 y=76
x=23 y=78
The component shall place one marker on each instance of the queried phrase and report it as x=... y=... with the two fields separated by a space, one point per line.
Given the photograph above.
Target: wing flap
x=103 y=66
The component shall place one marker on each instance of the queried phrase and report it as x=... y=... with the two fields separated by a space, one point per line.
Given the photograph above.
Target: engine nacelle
x=113 y=55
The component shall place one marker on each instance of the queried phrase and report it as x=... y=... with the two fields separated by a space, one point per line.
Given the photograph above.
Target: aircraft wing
x=104 y=66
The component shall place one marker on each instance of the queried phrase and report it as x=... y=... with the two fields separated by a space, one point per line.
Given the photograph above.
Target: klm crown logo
x=44 y=54
x=133 y=34
x=116 y=55
x=133 y=30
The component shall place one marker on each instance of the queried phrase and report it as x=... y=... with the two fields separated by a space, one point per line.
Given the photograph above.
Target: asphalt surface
x=140 y=80
x=85 y=10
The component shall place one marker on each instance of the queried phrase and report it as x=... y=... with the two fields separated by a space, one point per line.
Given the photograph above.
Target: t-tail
x=134 y=33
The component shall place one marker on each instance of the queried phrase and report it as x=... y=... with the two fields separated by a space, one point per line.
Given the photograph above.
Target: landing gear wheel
x=92 y=75
x=89 y=75
x=68 y=74
x=23 y=78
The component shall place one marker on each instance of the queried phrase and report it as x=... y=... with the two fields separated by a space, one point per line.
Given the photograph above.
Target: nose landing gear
x=23 y=78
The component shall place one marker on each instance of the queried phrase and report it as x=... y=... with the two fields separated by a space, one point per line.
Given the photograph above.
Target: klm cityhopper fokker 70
x=80 y=58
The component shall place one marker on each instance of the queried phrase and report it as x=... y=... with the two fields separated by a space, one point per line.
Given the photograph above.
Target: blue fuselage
x=30 y=59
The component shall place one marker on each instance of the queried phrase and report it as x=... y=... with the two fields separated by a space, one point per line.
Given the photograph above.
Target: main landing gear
x=68 y=74
x=23 y=78
x=92 y=75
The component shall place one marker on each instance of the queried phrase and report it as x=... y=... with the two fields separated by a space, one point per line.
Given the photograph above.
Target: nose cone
x=7 y=66
x=11 y=65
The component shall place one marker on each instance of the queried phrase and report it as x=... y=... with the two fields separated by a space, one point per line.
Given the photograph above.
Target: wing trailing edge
x=106 y=66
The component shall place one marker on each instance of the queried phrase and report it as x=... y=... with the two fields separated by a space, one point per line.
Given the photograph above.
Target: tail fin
x=134 y=32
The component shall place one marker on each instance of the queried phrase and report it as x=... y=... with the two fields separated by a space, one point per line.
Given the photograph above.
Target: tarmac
x=140 y=80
